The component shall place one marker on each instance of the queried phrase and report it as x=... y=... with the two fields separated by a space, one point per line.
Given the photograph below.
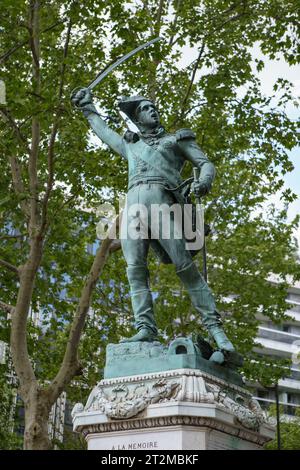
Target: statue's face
x=147 y=114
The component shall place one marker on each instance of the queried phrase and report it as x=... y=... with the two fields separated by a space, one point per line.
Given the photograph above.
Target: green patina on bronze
x=155 y=160
x=129 y=359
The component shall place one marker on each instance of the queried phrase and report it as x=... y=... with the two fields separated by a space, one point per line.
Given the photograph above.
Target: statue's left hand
x=200 y=187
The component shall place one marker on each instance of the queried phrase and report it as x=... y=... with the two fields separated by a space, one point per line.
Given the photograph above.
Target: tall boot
x=204 y=302
x=142 y=304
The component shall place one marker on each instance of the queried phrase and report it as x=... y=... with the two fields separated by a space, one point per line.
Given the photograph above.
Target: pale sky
x=272 y=71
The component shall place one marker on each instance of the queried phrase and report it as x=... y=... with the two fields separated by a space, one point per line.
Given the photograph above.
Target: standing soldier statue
x=155 y=160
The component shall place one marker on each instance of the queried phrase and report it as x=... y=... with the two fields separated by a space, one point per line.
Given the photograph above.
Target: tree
x=9 y=440
x=51 y=171
x=35 y=212
x=289 y=432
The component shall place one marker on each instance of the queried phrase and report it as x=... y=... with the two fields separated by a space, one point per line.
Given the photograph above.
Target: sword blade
x=111 y=67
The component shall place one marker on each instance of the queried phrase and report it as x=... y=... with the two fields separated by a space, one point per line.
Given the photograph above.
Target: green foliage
x=289 y=432
x=71 y=441
x=9 y=440
x=246 y=134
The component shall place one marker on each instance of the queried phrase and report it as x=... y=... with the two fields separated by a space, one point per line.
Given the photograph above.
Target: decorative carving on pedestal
x=125 y=401
x=246 y=410
x=127 y=398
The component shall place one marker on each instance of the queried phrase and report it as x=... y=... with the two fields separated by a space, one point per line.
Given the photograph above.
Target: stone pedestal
x=183 y=408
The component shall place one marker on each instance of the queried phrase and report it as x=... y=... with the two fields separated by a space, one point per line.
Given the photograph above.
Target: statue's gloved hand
x=200 y=187
x=83 y=99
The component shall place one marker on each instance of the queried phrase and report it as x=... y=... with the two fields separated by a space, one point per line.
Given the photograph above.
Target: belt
x=154 y=180
x=147 y=181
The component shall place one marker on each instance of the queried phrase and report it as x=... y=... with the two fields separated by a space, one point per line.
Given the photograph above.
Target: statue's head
x=141 y=111
x=146 y=114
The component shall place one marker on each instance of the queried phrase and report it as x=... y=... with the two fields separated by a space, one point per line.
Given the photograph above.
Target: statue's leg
x=200 y=294
x=135 y=253
x=204 y=302
x=142 y=304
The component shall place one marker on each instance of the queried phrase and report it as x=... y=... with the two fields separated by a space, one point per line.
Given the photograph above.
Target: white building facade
x=282 y=341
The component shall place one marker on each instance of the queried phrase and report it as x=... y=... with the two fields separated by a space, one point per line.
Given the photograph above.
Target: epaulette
x=185 y=134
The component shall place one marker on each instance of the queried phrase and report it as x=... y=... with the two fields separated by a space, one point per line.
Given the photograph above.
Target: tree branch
x=18 y=184
x=50 y=180
x=158 y=17
x=174 y=24
x=232 y=18
x=15 y=127
x=9 y=266
x=36 y=85
x=16 y=175
x=6 y=307
x=8 y=237
x=18 y=341
x=146 y=7
x=14 y=163
x=65 y=53
x=189 y=89
x=193 y=76
x=13 y=49
x=155 y=29
x=70 y=365
x=197 y=63
x=115 y=246
x=228 y=10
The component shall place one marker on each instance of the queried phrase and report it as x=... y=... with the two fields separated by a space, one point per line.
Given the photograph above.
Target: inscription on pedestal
x=160 y=438
x=136 y=446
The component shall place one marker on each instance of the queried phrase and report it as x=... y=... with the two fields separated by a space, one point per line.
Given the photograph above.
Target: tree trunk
x=37 y=410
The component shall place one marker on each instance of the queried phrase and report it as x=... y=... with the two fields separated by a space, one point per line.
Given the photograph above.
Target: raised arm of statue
x=83 y=100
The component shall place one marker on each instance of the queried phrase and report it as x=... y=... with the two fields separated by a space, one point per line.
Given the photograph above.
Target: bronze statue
x=155 y=159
